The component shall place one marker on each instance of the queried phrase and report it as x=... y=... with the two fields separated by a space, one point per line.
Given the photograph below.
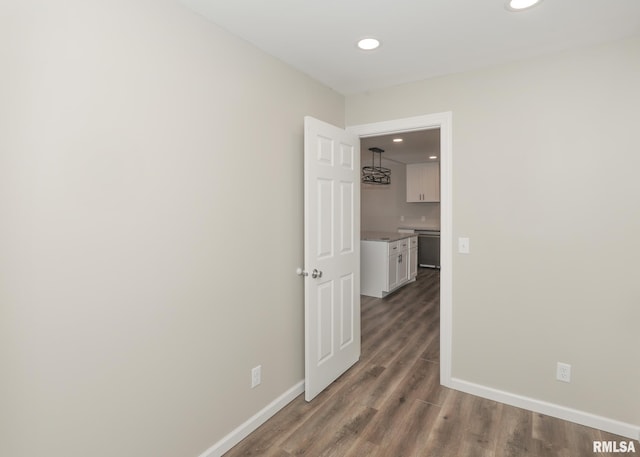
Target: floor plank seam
x=429 y=403
x=435 y=362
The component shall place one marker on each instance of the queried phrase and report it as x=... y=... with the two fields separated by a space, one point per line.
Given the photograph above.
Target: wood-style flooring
x=391 y=403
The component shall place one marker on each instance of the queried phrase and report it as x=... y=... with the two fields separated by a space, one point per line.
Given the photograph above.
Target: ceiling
x=415 y=147
x=420 y=39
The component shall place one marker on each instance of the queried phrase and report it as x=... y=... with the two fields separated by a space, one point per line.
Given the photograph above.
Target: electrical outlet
x=256 y=376
x=563 y=372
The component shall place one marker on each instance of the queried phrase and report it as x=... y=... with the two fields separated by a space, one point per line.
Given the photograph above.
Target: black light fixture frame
x=376 y=174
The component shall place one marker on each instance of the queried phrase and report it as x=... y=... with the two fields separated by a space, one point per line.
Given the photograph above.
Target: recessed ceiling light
x=519 y=5
x=433 y=157
x=368 y=44
x=397 y=140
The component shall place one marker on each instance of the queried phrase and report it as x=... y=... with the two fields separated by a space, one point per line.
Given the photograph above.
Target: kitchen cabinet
x=402 y=264
x=412 y=258
x=423 y=182
x=386 y=263
x=392 y=272
x=397 y=264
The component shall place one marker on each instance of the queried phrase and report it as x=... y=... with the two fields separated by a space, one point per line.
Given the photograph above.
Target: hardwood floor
x=391 y=404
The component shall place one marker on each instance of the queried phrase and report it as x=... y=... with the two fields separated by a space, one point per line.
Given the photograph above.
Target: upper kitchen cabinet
x=423 y=182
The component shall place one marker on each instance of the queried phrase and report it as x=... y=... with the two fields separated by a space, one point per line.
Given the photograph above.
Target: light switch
x=463 y=245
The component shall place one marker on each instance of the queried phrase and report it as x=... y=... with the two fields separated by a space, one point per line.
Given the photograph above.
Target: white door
x=331 y=253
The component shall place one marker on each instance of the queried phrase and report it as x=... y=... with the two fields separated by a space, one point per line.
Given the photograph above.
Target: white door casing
x=331 y=252
x=443 y=121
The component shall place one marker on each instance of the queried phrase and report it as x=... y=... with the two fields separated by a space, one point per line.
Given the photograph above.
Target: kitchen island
x=388 y=261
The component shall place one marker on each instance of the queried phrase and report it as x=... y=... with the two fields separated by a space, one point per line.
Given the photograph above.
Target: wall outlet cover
x=256 y=376
x=563 y=372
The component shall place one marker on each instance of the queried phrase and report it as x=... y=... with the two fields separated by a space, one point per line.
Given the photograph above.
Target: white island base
x=388 y=261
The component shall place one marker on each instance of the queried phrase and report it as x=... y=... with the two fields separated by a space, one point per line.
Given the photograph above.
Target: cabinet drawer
x=403 y=245
x=413 y=242
x=393 y=247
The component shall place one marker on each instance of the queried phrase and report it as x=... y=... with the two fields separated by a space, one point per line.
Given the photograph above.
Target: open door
x=331 y=253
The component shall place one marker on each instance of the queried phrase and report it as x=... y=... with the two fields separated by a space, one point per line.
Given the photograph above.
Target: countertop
x=420 y=227
x=384 y=236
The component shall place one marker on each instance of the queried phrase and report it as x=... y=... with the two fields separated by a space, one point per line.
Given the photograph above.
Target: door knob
x=314 y=274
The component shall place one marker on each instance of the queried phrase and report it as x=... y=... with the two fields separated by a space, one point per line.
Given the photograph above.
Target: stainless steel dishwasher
x=428 y=248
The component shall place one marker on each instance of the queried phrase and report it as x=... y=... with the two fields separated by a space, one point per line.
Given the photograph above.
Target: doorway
x=386 y=208
x=443 y=122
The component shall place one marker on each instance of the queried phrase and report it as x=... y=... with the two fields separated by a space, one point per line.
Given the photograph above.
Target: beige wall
x=545 y=164
x=151 y=224
x=382 y=206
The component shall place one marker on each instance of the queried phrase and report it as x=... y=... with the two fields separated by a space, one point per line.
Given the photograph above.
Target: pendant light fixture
x=376 y=174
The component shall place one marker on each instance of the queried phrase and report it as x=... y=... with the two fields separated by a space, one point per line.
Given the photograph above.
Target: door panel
x=347 y=235
x=347 y=309
x=324 y=218
x=325 y=318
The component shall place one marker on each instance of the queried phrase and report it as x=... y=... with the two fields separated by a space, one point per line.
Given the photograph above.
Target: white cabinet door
x=413 y=257
x=431 y=182
x=331 y=253
x=403 y=267
x=392 y=271
x=413 y=263
x=423 y=182
x=403 y=263
x=415 y=186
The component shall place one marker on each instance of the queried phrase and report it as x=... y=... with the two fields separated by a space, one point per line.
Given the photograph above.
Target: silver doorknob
x=314 y=274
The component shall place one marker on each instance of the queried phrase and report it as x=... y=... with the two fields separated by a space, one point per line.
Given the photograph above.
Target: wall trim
x=241 y=432
x=549 y=409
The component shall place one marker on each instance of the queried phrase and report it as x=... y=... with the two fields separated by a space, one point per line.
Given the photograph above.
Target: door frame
x=443 y=121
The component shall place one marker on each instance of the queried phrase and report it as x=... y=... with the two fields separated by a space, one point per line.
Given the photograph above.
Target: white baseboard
x=254 y=422
x=549 y=409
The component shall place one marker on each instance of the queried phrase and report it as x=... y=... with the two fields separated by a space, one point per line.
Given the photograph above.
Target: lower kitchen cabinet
x=413 y=257
x=387 y=265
